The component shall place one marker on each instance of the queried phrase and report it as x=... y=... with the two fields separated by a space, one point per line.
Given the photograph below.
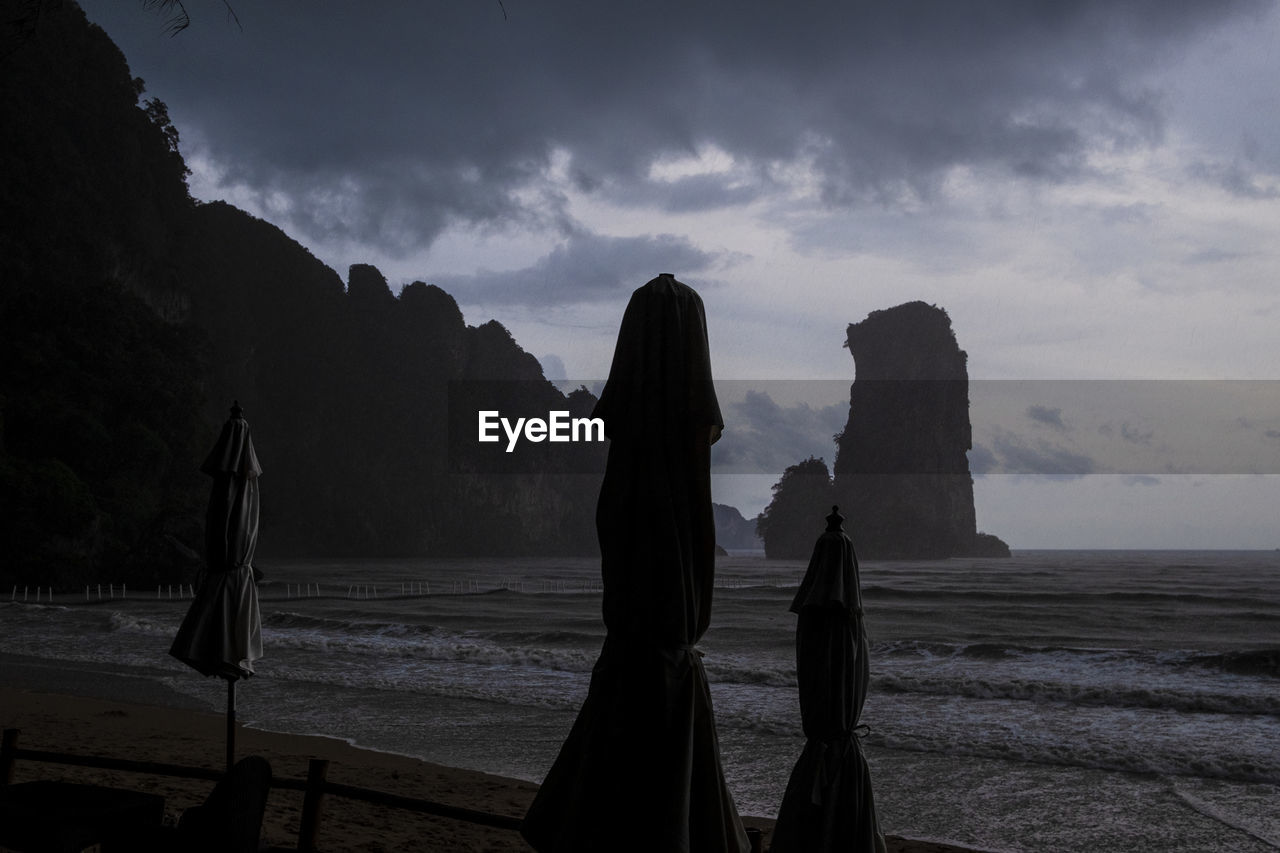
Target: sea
x=1051 y=701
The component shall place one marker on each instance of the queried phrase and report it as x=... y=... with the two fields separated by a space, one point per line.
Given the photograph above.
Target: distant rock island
x=734 y=531
x=901 y=473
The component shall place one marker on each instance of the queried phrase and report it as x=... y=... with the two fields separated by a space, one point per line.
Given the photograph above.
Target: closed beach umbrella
x=640 y=769
x=828 y=804
x=221 y=634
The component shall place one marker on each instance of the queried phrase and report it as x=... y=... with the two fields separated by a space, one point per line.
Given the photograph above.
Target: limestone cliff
x=734 y=531
x=901 y=473
x=131 y=316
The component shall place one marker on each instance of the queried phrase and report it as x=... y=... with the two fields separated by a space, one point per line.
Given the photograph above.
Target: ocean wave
x=740 y=671
x=538 y=651
x=1264 y=662
x=340 y=628
x=542 y=638
x=1014 y=598
x=981 y=651
x=558 y=649
x=1090 y=695
x=134 y=623
x=529 y=694
x=1100 y=754
x=1258 y=662
x=1237 y=682
x=30 y=607
x=286 y=620
x=429 y=644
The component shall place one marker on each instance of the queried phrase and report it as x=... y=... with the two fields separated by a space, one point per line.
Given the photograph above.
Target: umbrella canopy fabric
x=829 y=804
x=222 y=631
x=644 y=744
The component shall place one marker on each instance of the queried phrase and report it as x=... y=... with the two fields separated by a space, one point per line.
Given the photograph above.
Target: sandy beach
x=91 y=726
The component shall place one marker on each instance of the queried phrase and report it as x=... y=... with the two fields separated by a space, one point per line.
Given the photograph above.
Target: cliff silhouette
x=734 y=531
x=901 y=473
x=131 y=316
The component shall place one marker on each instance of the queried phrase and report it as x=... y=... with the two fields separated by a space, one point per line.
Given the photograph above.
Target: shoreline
x=57 y=721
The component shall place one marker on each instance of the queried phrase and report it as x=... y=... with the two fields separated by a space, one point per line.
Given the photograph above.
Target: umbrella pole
x=231 y=723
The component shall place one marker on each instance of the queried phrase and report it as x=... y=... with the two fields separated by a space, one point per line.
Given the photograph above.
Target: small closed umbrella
x=221 y=634
x=829 y=804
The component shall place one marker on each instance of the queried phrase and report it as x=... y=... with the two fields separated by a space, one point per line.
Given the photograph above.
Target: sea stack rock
x=901 y=471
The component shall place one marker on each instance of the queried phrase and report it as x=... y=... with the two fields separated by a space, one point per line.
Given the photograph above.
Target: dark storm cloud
x=762 y=437
x=383 y=123
x=1135 y=435
x=1125 y=427
x=1050 y=417
x=1018 y=456
x=982 y=461
x=586 y=267
x=1129 y=433
x=1235 y=178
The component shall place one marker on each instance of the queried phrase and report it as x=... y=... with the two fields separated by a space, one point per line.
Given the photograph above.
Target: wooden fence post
x=312 y=801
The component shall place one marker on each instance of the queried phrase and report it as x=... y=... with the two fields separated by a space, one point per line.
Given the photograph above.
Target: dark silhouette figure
x=641 y=769
x=828 y=804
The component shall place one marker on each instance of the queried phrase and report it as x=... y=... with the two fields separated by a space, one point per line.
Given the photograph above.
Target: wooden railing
x=314 y=789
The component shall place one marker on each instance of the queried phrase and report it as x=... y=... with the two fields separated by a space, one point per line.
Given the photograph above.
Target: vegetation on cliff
x=131 y=317
x=794 y=519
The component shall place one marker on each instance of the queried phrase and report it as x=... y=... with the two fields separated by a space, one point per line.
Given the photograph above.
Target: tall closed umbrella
x=828 y=804
x=221 y=634
x=640 y=769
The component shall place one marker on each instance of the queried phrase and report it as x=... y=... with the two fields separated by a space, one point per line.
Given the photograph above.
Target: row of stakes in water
x=457 y=587
x=359 y=591
x=312 y=590
x=108 y=593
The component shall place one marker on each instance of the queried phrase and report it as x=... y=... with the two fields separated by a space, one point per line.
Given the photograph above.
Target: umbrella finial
x=236 y=411
x=835 y=521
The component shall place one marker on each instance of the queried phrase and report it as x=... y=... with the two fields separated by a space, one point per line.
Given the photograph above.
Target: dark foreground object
x=229 y=821
x=53 y=816
x=645 y=740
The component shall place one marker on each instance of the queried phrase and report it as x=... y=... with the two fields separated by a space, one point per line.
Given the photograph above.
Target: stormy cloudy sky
x=1090 y=189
